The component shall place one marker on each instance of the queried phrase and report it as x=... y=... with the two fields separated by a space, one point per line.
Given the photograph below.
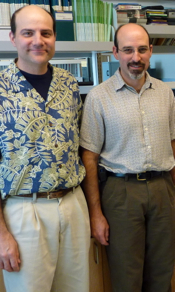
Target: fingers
x=10 y=263
x=15 y=264
x=9 y=254
x=100 y=230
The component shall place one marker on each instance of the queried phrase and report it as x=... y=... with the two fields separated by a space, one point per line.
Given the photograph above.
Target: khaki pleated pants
x=53 y=238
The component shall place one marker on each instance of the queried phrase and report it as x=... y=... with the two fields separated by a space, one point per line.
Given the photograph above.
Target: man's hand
x=172 y=172
x=100 y=229
x=9 y=253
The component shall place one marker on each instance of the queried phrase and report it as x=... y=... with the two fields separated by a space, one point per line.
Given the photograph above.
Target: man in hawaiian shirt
x=44 y=224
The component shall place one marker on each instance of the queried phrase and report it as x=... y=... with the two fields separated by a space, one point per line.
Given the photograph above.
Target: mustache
x=136 y=64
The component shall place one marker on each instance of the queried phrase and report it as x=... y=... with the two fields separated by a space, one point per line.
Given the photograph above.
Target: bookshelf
x=77 y=48
x=166 y=3
x=155 y=31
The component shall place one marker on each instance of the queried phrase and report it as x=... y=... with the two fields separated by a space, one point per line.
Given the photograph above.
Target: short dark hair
x=116 y=34
x=13 y=20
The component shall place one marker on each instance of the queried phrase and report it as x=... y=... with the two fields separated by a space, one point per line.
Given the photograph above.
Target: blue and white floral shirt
x=39 y=139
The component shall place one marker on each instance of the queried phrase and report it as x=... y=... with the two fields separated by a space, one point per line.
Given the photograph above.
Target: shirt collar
x=149 y=83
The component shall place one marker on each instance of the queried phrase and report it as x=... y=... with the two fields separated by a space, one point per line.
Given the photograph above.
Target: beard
x=136 y=74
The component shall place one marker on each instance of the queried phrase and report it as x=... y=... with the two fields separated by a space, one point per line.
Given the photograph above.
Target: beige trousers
x=53 y=238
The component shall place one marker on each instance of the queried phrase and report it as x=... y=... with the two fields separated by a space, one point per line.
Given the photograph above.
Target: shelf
x=80 y=47
x=169 y=3
x=167 y=31
x=161 y=30
x=171 y=84
x=74 y=47
x=163 y=49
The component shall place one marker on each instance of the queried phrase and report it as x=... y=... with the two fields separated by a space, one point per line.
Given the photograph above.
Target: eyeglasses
x=130 y=50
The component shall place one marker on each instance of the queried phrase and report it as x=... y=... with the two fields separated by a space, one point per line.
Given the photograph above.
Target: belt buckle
x=140 y=179
x=48 y=196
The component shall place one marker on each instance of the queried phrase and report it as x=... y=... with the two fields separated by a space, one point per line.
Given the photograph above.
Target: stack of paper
x=92 y=20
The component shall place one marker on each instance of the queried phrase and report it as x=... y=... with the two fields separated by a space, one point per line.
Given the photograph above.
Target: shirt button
x=50 y=124
x=56 y=145
x=60 y=166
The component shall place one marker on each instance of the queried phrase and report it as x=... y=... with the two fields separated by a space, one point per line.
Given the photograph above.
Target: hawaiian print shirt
x=39 y=139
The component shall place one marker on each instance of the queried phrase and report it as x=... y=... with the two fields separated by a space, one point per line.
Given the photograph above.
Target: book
x=128 y=6
x=154 y=7
x=80 y=28
x=37 y=2
x=132 y=20
x=168 y=42
x=101 y=29
x=131 y=13
x=171 y=21
x=87 y=21
x=65 y=5
x=105 y=19
x=94 y=19
x=55 y=6
x=132 y=16
x=47 y=5
x=157 y=21
x=109 y=36
x=156 y=15
x=170 y=13
x=5 y=13
x=74 y=11
x=12 y=7
x=160 y=41
x=70 y=5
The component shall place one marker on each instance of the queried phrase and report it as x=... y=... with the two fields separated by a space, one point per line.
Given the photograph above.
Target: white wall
x=164 y=63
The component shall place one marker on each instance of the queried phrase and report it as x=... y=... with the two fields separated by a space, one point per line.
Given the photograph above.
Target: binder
x=64 y=26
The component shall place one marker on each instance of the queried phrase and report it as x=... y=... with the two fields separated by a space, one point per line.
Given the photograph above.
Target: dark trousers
x=141 y=216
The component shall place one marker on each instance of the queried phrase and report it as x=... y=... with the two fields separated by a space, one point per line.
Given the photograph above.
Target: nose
x=136 y=56
x=38 y=39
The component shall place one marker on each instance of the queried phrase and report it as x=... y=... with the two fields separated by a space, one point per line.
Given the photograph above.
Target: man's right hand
x=100 y=229
x=9 y=253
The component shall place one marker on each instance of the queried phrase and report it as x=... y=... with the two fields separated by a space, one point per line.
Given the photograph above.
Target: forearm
x=99 y=224
x=9 y=253
x=90 y=183
x=172 y=171
x=3 y=227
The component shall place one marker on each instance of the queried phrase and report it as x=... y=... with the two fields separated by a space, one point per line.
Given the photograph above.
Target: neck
x=34 y=69
x=135 y=83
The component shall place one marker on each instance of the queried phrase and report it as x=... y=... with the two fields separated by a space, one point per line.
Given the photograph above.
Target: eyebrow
x=32 y=30
x=130 y=47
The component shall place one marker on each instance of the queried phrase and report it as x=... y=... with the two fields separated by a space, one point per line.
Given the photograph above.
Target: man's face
x=133 y=53
x=34 y=39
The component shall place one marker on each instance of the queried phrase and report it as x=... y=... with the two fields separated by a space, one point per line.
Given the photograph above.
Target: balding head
x=29 y=9
x=129 y=27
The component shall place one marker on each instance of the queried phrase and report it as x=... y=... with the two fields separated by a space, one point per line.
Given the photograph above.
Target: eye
x=47 y=34
x=142 y=50
x=27 y=33
x=128 y=51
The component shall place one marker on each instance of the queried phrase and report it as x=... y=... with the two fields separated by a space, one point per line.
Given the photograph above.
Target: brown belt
x=48 y=195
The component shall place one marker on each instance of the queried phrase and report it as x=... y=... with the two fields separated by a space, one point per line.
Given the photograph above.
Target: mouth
x=136 y=66
x=38 y=51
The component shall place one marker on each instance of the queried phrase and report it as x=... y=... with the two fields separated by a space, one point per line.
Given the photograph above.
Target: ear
x=151 y=50
x=12 y=38
x=115 y=53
